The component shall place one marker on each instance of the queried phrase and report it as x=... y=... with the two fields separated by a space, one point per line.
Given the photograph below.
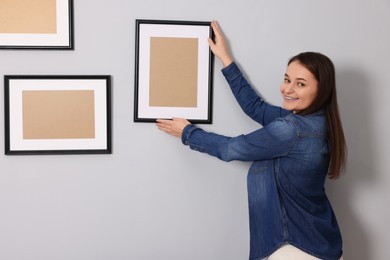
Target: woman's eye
x=287 y=81
x=301 y=84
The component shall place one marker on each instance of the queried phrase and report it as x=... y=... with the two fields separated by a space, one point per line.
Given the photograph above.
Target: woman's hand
x=219 y=46
x=173 y=127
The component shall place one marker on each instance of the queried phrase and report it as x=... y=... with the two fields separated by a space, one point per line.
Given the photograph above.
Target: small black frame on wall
x=173 y=71
x=33 y=25
x=57 y=114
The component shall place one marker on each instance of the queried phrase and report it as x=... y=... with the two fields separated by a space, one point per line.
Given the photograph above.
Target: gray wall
x=154 y=198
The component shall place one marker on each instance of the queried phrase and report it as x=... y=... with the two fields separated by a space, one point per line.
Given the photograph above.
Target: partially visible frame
x=57 y=114
x=173 y=71
x=38 y=24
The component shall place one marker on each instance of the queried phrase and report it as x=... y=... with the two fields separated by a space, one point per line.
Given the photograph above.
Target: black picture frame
x=158 y=42
x=57 y=114
x=16 y=34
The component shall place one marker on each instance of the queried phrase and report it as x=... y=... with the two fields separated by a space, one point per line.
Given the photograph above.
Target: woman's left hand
x=173 y=127
x=219 y=46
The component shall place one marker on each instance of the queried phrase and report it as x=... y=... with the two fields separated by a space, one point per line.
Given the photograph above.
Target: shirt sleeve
x=250 y=102
x=274 y=140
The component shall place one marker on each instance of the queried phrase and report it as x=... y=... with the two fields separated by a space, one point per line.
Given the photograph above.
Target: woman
x=297 y=147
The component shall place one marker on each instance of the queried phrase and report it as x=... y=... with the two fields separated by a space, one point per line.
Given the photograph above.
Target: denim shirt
x=290 y=155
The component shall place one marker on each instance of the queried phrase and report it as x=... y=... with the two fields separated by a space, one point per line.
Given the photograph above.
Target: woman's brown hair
x=323 y=70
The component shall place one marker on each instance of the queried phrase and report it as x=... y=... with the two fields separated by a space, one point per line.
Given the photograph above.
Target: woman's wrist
x=226 y=61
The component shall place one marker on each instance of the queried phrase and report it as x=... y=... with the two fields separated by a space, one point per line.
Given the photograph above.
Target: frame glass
x=57 y=114
x=173 y=71
x=38 y=24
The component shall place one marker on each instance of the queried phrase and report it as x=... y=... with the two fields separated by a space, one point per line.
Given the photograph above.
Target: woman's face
x=299 y=88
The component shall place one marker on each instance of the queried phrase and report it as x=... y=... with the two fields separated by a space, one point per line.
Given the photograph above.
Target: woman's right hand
x=219 y=46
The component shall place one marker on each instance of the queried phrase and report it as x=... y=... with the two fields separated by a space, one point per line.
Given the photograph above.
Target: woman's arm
x=274 y=140
x=250 y=102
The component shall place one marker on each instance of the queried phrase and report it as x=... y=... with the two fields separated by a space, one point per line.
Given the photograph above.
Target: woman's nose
x=289 y=88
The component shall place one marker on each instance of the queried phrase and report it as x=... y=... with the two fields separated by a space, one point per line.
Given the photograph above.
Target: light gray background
x=154 y=198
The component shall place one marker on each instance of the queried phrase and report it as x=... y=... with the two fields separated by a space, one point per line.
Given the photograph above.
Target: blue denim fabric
x=286 y=195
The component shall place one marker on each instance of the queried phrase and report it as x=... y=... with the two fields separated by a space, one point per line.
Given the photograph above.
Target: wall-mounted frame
x=38 y=24
x=57 y=114
x=173 y=71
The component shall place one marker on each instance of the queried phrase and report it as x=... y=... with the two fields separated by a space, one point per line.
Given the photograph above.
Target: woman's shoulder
x=283 y=128
x=314 y=123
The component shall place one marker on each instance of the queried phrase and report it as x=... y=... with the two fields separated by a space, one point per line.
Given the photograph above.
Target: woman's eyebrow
x=286 y=75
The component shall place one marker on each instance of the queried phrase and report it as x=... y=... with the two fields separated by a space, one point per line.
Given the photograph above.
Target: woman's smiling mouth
x=290 y=98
